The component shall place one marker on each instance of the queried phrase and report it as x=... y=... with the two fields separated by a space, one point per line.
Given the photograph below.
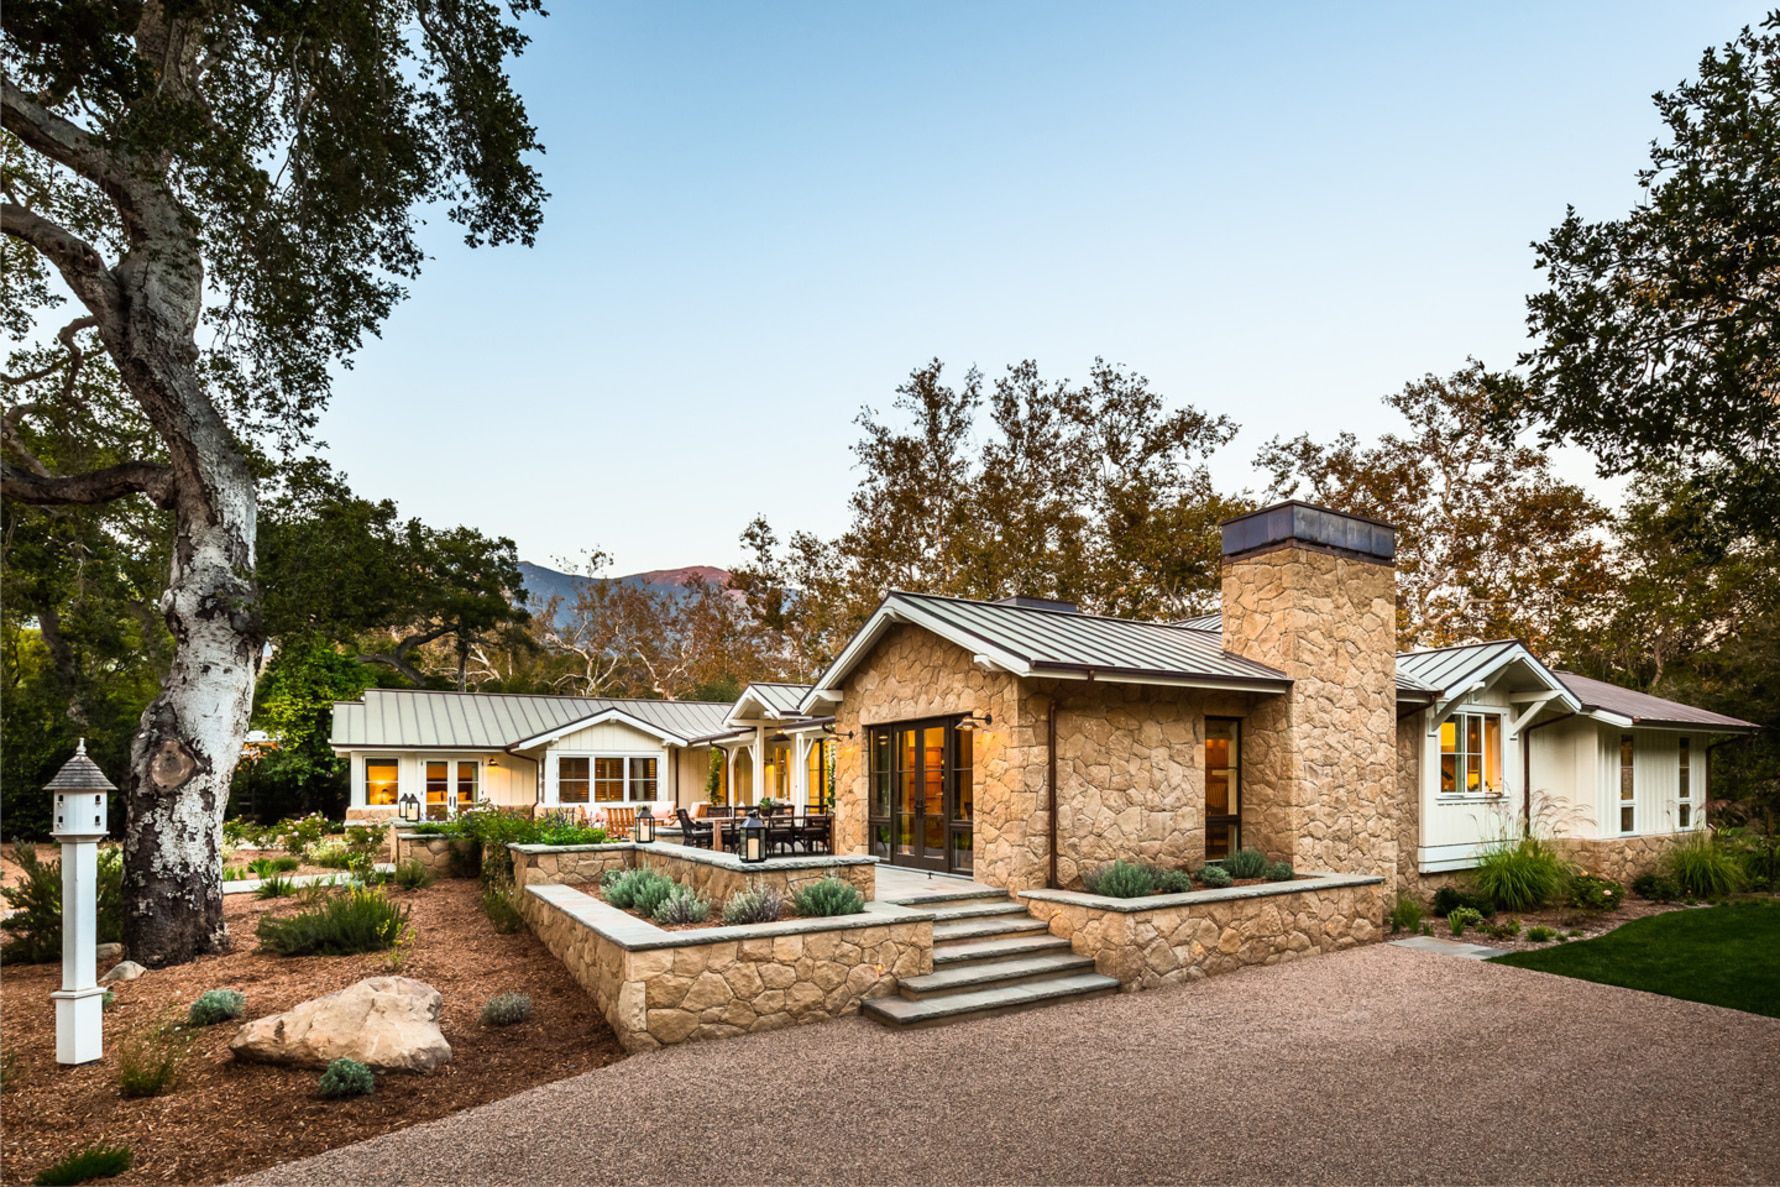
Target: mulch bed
x=1563 y=920
x=223 y=1118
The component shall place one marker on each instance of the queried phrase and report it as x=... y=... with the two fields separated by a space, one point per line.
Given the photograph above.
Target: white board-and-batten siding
x=511 y=782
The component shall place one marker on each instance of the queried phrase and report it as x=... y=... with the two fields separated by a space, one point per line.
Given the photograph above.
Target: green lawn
x=1726 y=956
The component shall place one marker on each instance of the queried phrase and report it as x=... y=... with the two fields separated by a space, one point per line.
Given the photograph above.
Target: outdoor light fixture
x=753 y=840
x=971 y=721
x=410 y=805
x=643 y=832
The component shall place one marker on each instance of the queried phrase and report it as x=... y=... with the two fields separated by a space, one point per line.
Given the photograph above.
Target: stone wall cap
x=1194 y=898
x=725 y=861
x=639 y=935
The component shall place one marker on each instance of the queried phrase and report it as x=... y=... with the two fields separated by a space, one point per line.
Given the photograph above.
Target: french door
x=923 y=802
x=446 y=796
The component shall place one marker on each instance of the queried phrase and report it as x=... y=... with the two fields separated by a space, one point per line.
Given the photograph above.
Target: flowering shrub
x=1596 y=894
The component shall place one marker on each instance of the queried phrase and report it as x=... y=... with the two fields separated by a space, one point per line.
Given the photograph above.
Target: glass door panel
x=907 y=775
x=469 y=784
x=438 y=790
x=1223 y=786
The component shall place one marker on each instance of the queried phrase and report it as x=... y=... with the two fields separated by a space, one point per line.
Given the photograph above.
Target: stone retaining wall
x=435 y=853
x=1618 y=858
x=714 y=875
x=1178 y=937
x=658 y=987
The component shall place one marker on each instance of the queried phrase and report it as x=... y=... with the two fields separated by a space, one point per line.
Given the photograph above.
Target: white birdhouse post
x=80 y=789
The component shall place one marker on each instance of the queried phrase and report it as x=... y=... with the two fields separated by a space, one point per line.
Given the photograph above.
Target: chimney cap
x=1027 y=602
x=1308 y=525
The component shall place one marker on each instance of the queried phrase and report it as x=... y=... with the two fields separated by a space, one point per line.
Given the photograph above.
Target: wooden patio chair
x=620 y=821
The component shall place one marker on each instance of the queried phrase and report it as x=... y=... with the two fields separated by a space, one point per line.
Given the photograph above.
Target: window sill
x=1486 y=798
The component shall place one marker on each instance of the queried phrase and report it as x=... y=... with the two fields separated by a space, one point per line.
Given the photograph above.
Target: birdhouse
x=80 y=789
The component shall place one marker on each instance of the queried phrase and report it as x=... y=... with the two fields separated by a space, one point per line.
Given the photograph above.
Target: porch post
x=729 y=774
x=800 y=773
x=759 y=762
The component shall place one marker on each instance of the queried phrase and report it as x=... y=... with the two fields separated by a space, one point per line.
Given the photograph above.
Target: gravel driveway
x=1378 y=1065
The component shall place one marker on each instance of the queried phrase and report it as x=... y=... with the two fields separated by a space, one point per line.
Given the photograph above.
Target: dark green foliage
x=1246 y=863
x=497 y=904
x=94 y=1162
x=1278 y=871
x=506 y=1009
x=1171 y=881
x=1521 y=875
x=1121 y=879
x=1214 y=877
x=346 y=1078
x=463 y=860
x=1449 y=899
x=1541 y=935
x=1658 y=888
x=1727 y=956
x=1505 y=930
x=1756 y=848
x=411 y=875
x=571 y=834
x=636 y=890
x=830 y=896
x=217 y=1005
x=109 y=1000
x=1406 y=914
x=1595 y=894
x=682 y=905
x=265 y=867
x=354 y=920
x=753 y=906
x=275 y=886
x=1703 y=868
x=34 y=928
x=1462 y=918
x=148 y=1062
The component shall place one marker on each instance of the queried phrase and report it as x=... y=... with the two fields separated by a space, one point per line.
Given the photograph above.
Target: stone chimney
x=1313 y=593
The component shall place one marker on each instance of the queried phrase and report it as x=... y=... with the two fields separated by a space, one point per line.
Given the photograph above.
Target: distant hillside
x=542 y=583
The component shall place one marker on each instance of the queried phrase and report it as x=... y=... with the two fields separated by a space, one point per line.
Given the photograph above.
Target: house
x=1023 y=743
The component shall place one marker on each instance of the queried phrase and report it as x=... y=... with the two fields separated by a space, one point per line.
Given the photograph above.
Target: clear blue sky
x=763 y=216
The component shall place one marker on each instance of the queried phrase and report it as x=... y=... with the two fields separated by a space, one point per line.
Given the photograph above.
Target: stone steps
x=927 y=898
x=982 y=951
x=983 y=929
x=904 y=1014
x=1019 y=970
x=974 y=909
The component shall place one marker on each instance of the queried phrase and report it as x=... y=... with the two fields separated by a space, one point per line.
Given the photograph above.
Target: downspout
x=1526 y=772
x=1051 y=787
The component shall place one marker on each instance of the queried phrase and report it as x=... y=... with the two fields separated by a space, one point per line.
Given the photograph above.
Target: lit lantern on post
x=410 y=804
x=80 y=789
x=753 y=839
x=644 y=830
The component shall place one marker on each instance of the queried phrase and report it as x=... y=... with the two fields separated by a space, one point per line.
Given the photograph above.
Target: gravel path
x=1379 y=1065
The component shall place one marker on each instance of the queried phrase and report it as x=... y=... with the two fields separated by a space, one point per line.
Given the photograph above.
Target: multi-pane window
x=438 y=789
x=469 y=781
x=1628 y=784
x=1684 y=785
x=572 y=778
x=381 y=784
x=1471 y=754
x=607 y=778
x=820 y=774
x=644 y=778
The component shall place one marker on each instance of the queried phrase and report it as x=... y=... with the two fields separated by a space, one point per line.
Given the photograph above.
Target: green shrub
x=1540 y=935
x=1703 y=868
x=1503 y=931
x=571 y=834
x=234 y=874
x=355 y=920
x=636 y=890
x=1213 y=876
x=505 y=1009
x=109 y=1000
x=1757 y=851
x=497 y=904
x=1595 y=894
x=275 y=886
x=238 y=832
x=34 y=927
x=1246 y=863
x=1658 y=888
x=682 y=905
x=830 y=896
x=298 y=833
x=94 y=1162
x=1121 y=879
x=148 y=1062
x=753 y=906
x=266 y=867
x=1448 y=899
x=330 y=854
x=411 y=875
x=1522 y=875
x=1171 y=881
x=1406 y=914
x=344 y=1078
x=217 y=1005
x=1279 y=871
x=1462 y=918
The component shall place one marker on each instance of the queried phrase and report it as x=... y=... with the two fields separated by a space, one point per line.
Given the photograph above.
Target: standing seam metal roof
x=1642 y=707
x=779 y=696
x=397 y=718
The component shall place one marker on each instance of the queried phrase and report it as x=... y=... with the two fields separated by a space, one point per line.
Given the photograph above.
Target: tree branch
x=98 y=486
x=78 y=261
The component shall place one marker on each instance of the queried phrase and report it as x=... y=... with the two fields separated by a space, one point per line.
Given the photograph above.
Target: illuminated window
x=1471 y=754
x=1223 y=787
x=1628 y=784
x=1684 y=785
x=381 y=786
x=571 y=779
x=643 y=778
x=608 y=780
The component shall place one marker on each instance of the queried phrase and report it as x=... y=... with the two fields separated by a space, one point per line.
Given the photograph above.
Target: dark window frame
x=1232 y=818
x=891 y=732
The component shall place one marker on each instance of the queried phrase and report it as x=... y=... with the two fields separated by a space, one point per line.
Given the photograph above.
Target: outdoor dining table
x=724 y=834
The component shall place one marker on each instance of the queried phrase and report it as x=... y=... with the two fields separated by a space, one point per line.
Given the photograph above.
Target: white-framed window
x=383 y=782
x=588 y=778
x=1471 y=754
x=1684 y=783
x=1628 y=784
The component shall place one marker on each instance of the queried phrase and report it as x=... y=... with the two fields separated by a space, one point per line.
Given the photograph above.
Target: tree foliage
x=1490 y=543
x=1655 y=336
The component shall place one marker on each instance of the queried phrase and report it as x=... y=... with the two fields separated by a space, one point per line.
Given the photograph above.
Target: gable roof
x=1449 y=672
x=1640 y=708
x=1035 y=641
x=425 y=719
x=771 y=700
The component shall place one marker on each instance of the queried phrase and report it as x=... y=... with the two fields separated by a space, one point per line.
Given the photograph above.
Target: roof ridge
x=548 y=696
x=1463 y=646
x=1075 y=614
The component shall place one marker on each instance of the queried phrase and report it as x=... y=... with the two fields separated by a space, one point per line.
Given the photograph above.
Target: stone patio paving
x=1378 y=1065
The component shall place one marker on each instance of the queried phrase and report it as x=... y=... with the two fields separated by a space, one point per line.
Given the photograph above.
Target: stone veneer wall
x=1185 y=937
x=656 y=987
x=434 y=853
x=1618 y=858
x=710 y=875
x=1320 y=780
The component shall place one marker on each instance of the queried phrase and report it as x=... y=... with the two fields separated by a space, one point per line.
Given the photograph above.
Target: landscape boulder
x=127 y=970
x=388 y=1023
x=105 y=952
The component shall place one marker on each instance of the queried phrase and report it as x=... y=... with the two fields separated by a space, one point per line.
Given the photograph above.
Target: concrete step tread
x=992 y=949
x=975 y=909
x=931 y=897
x=987 y=973
x=977 y=929
x=900 y=1011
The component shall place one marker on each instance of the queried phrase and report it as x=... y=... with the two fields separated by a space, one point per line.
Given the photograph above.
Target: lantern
x=971 y=722
x=80 y=789
x=410 y=807
x=753 y=840
x=644 y=831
